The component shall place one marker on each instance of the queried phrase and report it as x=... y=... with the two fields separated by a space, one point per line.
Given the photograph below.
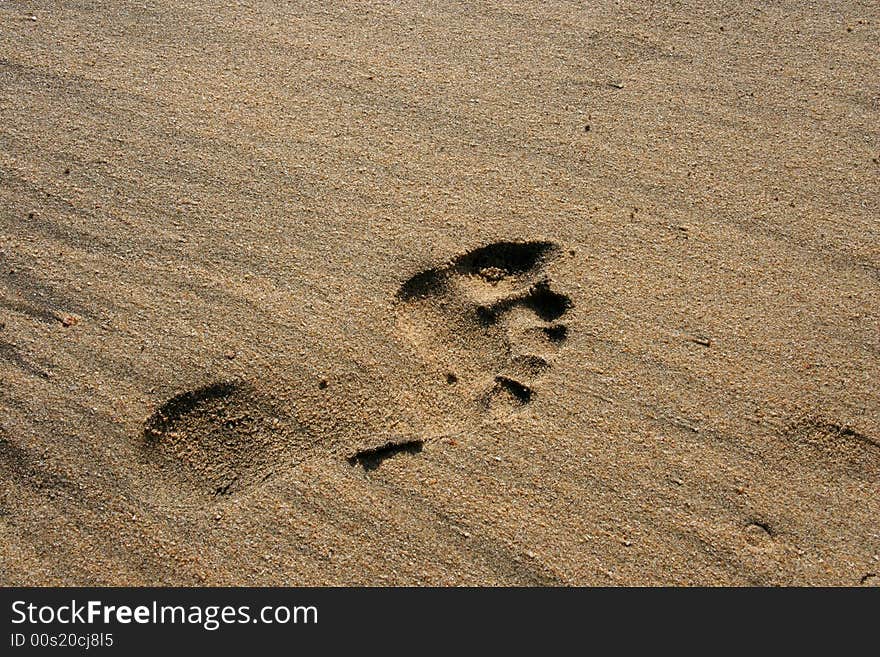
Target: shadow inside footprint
x=491 y=315
x=511 y=390
x=371 y=458
x=224 y=436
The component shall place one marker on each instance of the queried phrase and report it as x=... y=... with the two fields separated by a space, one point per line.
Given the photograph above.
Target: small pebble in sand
x=492 y=274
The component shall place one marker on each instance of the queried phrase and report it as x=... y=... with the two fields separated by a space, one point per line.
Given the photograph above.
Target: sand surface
x=498 y=293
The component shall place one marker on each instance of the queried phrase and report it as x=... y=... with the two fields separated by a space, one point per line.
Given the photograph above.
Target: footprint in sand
x=834 y=446
x=224 y=437
x=490 y=318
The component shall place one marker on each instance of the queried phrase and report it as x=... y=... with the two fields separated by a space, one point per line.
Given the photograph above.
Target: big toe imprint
x=224 y=437
x=490 y=317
